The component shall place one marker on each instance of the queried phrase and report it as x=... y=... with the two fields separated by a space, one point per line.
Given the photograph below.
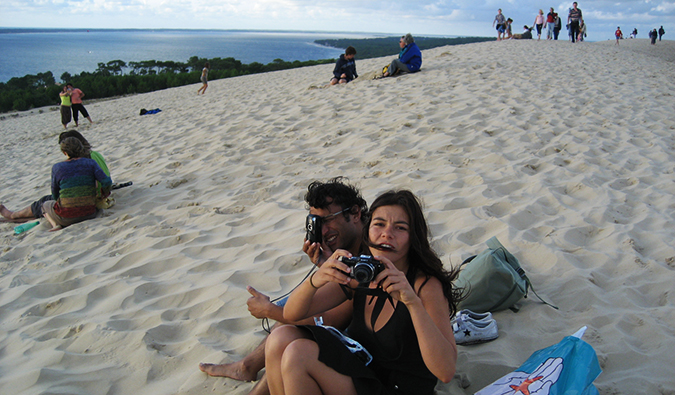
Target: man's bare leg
x=245 y=370
x=25 y=213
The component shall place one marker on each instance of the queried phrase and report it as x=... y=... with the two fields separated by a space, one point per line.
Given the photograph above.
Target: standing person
x=661 y=32
x=634 y=34
x=204 y=78
x=558 y=26
x=618 y=34
x=500 y=20
x=409 y=59
x=573 y=20
x=65 y=106
x=582 y=31
x=539 y=23
x=345 y=67
x=76 y=96
x=550 y=24
x=74 y=187
x=400 y=339
x=653 y=35
x=344 y=214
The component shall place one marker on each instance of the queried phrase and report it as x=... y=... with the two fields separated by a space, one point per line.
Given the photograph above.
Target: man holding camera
x=337 y=214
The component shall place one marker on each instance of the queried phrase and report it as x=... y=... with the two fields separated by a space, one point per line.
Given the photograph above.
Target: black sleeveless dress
x=397 y=366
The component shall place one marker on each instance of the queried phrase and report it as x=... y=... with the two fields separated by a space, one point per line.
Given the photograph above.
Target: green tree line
x=367 y=48
x=116 y=78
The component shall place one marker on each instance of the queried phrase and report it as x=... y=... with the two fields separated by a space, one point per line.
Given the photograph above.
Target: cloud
x=441 y=17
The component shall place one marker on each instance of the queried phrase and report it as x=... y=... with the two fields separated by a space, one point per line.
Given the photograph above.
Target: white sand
x=565 y=152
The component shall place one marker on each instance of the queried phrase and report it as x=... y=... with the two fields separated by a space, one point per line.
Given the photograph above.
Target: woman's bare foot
x=56 y=228
x=235 y=370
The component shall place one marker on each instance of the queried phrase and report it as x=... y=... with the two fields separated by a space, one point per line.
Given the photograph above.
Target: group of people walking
x=550 y=24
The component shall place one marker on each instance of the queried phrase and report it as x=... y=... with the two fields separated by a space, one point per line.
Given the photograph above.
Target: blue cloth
x=568 y=367
x=412 y=57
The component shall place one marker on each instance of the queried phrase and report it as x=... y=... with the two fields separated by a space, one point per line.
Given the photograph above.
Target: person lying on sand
x=527 y=34
x=34 y=210
x=343 y=212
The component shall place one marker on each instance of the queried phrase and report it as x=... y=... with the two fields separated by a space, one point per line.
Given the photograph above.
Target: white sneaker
x=468 y=331
x=466 y=313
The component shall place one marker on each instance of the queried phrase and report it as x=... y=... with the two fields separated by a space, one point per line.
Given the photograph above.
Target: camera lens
x=363 y=273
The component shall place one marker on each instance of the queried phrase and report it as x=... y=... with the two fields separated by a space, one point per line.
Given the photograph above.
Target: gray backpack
x=493 y=280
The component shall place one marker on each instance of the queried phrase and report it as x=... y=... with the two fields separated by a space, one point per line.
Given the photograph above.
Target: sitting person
x=343 y=213
x=509 y=31
x=409 y=59
x=74 y=187
x=401 y=318
x=34 y=211
x=527 y=34
x=345 y=67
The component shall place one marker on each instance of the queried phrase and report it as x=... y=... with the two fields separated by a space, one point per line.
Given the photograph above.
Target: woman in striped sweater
x=74 y=187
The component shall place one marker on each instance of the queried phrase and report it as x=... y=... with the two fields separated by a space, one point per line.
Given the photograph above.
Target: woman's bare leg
x=293 y=366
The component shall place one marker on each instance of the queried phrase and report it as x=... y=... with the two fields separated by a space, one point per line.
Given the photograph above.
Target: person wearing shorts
x=204 y=78
x=500 y=22
x=76 y=96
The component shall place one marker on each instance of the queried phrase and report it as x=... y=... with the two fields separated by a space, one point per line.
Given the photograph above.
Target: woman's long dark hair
x=421 y=257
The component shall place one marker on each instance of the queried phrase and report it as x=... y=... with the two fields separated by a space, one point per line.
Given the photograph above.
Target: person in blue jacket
x=409 y=59
x=345 y=67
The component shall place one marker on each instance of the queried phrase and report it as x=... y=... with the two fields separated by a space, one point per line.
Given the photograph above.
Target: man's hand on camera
x=316 y=252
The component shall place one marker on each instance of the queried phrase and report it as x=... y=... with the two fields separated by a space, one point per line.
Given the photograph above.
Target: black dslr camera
x=364 y=268
x=313 y=226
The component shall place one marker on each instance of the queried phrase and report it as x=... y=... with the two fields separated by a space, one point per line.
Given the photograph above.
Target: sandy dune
x=564 y=152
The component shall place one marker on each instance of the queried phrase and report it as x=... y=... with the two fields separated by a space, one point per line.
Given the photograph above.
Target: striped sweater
x=74 y=187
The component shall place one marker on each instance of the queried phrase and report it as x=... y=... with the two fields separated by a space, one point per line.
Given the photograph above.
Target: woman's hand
x=395 y=283
x=333 y=270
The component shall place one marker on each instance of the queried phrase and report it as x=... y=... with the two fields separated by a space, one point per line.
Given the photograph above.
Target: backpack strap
x=529 y=283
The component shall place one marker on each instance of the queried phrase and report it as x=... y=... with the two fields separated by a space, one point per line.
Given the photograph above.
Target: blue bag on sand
x=568 y=367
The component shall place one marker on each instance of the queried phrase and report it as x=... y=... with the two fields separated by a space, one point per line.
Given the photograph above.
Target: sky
x=419 y=17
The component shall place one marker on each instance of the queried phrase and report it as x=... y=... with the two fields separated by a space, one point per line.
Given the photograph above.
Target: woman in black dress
x=400 y=339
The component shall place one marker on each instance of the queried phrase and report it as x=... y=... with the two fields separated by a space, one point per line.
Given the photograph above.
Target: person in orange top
x=76 y=96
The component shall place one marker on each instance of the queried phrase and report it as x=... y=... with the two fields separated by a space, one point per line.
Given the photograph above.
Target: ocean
x=32 y=51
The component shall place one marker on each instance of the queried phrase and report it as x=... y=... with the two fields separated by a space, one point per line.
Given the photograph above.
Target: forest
x=117 y=78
